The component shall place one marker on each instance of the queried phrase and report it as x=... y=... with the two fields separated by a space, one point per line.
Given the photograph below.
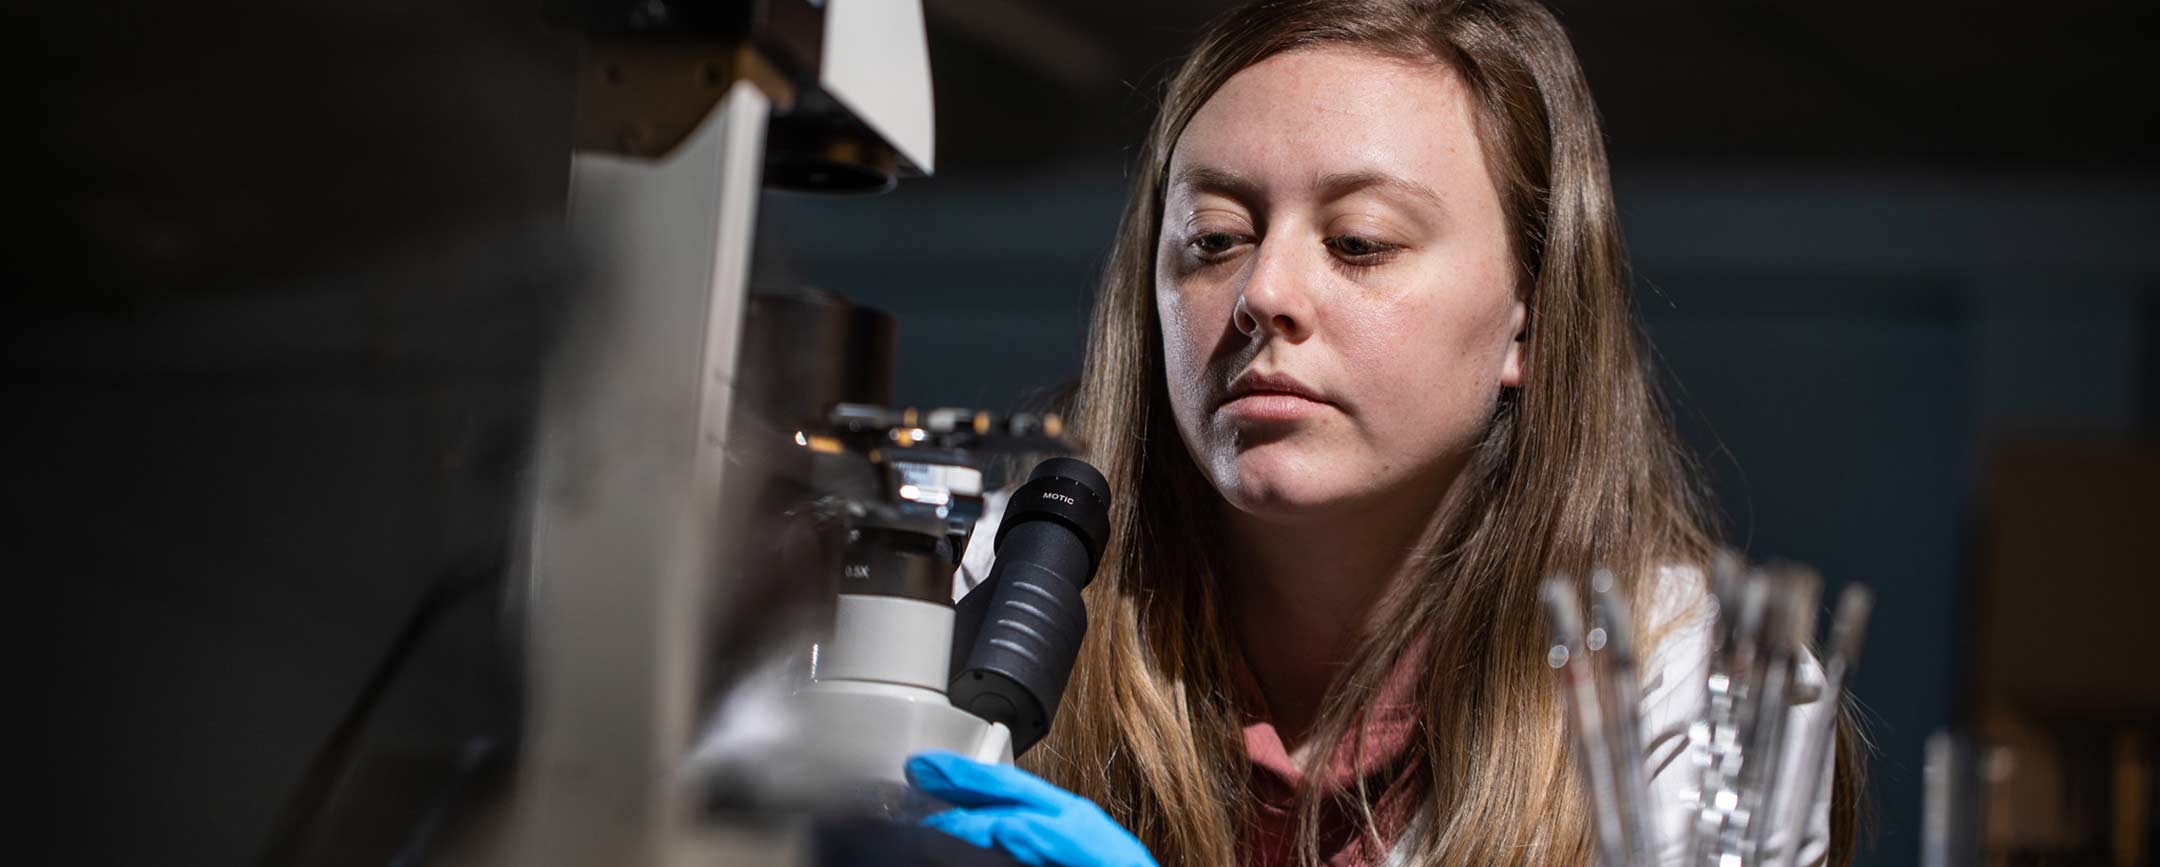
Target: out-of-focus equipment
x=635 y=568
x=2053 y=760
x=1747 y=792
x=736 y=592
x=733 y=609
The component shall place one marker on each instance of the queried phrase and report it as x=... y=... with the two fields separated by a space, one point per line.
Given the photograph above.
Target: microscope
x=730 y=613
x=904 y=669
x=719 y=472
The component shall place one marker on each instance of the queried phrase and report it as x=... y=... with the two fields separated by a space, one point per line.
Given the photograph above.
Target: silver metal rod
x=1789 y=620
x=1578 y=691
x=1619 y=690
x=1848 y=629
x=1735 y=691
x=1726 y=571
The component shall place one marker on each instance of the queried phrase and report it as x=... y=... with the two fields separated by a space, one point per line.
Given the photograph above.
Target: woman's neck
x=1304 y=596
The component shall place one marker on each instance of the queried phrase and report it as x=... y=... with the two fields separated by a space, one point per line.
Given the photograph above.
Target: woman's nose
x=1274 y=300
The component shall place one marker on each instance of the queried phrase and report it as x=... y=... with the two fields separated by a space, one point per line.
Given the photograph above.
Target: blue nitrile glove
x=1015 y=812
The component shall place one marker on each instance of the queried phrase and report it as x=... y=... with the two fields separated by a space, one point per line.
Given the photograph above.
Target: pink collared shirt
x=1388 y=765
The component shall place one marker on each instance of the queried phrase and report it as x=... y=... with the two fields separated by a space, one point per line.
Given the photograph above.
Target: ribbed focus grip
x=1048 y=545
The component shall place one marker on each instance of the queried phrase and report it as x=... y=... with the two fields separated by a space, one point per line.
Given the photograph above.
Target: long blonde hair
x=1578 y=467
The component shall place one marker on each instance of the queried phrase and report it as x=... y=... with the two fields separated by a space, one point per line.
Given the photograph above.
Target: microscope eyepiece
x=1018 y=634
x=1070 y=492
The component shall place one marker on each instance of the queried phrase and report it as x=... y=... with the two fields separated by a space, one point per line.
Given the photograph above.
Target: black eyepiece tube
x=1048 y=545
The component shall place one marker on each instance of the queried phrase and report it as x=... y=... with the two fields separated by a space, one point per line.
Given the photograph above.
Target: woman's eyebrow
x=1206 y=179
x=1340 y=184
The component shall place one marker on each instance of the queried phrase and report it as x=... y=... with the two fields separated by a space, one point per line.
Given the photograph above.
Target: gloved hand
x=1010 y=810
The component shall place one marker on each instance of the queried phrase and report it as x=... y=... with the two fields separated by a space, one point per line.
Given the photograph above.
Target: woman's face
x=1335 y=284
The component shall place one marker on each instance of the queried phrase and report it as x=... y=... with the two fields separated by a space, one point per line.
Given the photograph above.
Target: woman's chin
x=1273 y=486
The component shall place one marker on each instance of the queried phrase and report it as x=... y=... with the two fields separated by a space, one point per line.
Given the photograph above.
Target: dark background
x=283 y=272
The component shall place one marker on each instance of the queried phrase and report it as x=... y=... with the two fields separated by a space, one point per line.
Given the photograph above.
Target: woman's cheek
x=1419 y=365
x=1387 y=347
x=1184 y=359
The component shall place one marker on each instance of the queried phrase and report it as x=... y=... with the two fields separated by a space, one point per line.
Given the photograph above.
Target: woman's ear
x=1511 y=365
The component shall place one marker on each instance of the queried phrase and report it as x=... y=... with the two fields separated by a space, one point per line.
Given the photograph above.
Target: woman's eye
x=1213 y=243
x=1357 y=247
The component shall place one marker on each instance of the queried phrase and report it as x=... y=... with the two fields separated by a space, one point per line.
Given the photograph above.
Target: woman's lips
x=1272 y=406
x=1272 y=396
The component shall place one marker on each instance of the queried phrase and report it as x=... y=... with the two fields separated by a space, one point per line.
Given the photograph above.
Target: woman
x=1363 y=372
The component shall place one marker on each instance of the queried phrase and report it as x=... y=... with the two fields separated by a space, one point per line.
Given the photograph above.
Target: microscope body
x=633 y=569
x=725 y=522
x=905 y=669
x=685 y=501
x=869 y=709
x=876 y=691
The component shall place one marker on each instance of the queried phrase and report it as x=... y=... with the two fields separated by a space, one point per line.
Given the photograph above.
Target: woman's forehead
x=1307 y=120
